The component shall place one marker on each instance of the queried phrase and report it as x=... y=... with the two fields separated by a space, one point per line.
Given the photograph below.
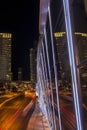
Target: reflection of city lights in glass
x=72 y=63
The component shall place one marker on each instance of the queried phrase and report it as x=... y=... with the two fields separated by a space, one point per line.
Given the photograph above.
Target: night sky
x=21 y=18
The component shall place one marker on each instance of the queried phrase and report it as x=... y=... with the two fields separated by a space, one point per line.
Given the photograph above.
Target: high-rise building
x=20 y=74
x=62 y=52
x=5 y=56
x=63 y=57
x=33 y=65
x=85 y=3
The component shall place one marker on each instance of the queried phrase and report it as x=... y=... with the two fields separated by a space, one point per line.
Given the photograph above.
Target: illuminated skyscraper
x=33 y=65
x=5 y=56
x=62 y=53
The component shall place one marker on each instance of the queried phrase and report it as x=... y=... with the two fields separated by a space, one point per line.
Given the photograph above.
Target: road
x=67 y=111
x=15 y=112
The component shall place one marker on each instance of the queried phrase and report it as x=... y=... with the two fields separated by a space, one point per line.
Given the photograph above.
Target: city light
x=66 y=4
x=55 y=68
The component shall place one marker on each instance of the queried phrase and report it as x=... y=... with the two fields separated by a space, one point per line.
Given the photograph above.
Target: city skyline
x=22 y=22
x=48 y=79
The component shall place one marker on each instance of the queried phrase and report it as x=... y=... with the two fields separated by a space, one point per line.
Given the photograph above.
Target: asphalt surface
x=15 y=113
x=38 y=120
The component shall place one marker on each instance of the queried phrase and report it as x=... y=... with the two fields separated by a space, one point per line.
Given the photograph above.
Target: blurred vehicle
x=30 y=94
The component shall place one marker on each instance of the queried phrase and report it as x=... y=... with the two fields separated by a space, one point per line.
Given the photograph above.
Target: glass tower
x=5 y=56
x=33 y=65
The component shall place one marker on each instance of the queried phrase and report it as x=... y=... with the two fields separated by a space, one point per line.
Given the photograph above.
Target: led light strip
x=43 y=80
x=40 y=82
x=55 y=69
x=72 y=64
x=42 y=85
x=50 y=76
x=45 y=70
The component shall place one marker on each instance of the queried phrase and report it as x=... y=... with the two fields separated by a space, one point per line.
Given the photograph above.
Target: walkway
x=38 y=120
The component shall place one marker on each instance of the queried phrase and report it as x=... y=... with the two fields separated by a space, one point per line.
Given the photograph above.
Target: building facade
x=33 y=65
x=63 y=56
x=5 y=56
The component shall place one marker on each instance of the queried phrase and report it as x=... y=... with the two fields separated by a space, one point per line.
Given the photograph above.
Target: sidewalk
x=38 y=120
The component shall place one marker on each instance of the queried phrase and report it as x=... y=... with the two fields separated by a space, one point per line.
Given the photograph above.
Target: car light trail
x=12 y=119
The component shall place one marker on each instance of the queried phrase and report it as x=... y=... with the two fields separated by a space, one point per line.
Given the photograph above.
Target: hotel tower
x=5 y=56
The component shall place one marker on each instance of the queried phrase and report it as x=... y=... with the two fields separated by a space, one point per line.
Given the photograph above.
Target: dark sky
x=21 y=18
